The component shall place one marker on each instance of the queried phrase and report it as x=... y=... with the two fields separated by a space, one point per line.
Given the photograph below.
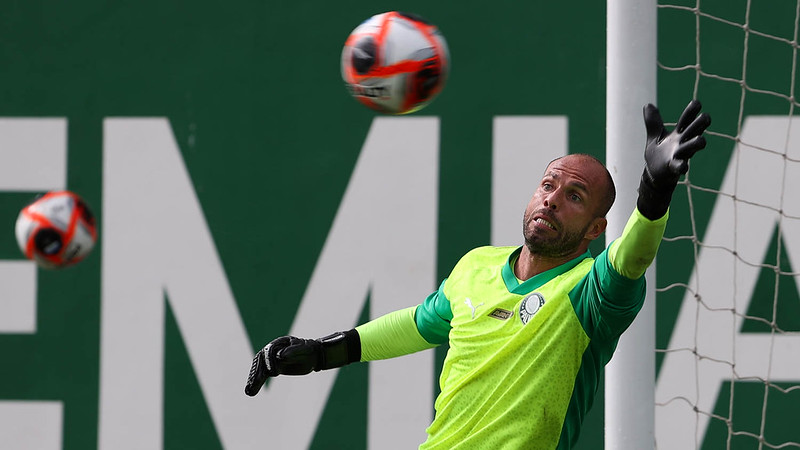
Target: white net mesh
x=728 y=308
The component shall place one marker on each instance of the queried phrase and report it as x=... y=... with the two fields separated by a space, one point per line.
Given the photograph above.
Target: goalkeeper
x=529 y=328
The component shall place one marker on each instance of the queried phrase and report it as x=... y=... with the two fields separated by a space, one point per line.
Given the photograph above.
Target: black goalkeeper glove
x=289 y=355
x=667 y=156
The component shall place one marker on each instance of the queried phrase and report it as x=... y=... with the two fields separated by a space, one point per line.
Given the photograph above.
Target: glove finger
x=653 y=122
x=277 y=345
x=687 y=149
x=697 y=127
x=258 y=375
x=688 y=115
x=271 y=352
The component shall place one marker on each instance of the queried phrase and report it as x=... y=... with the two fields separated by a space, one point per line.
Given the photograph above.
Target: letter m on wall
x=157 y=246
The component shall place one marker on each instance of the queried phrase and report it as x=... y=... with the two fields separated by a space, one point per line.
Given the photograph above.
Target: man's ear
x=596 y=228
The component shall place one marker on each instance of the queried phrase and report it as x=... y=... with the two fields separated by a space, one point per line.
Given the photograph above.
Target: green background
x=270 y=136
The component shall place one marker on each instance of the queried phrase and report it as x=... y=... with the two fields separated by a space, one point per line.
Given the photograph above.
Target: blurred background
x=217 y=141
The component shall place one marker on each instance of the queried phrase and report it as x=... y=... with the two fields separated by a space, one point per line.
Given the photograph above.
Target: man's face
x=562 y=213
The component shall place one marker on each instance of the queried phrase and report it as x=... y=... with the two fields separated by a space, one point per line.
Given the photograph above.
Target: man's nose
x=551 y=201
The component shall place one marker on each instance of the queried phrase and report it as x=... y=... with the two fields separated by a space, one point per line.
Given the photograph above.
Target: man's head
x=568 y=208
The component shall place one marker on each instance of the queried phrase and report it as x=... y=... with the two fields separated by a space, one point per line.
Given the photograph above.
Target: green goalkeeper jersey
x=525 y=358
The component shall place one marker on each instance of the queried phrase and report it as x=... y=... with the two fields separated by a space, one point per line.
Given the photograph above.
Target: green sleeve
x=433 y=317
x=633 y=252
x=394 y=334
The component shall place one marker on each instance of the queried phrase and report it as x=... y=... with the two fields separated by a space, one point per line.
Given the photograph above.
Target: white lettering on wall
x=726 y=283
x=156 y=242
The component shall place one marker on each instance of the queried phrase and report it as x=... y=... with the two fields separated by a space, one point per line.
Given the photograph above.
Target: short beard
x=557 y=247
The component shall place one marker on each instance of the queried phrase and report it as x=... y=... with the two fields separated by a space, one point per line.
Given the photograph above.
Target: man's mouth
x=544 y=222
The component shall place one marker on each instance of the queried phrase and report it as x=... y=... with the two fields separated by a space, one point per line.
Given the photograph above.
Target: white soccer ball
x=56 y=230
x=395 y=62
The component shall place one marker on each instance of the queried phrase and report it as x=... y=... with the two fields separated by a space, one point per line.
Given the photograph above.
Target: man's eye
x=576 y=197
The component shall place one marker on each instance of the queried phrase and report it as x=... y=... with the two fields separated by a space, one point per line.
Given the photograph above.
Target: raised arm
x=666 y=157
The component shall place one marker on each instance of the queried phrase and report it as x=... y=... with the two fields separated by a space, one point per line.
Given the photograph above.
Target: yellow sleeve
x=394 y=334
x=633 y=252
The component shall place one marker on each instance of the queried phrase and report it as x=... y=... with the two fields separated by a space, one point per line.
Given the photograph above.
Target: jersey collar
x=514 y=286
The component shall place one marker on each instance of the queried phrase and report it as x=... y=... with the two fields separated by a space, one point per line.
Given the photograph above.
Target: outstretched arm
x=667 y=157
x=394 y=334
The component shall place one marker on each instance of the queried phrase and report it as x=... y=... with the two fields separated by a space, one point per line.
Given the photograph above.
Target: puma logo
x=468 y=302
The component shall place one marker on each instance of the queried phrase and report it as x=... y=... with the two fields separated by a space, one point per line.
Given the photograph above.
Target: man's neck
x=529 y=265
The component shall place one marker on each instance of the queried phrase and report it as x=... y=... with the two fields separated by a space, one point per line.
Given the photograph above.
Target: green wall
x=269 y=136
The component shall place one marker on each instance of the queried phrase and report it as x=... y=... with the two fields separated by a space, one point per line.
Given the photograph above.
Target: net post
x=630 y=84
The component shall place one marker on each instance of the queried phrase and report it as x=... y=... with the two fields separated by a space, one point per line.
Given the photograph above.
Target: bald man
x=529 y=328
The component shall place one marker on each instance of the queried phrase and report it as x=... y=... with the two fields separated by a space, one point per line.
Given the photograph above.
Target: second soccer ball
x=56 y=230
x=395 y=62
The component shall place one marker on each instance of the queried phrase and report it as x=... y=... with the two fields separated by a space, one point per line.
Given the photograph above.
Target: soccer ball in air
x=395 y=62
x=56 y=230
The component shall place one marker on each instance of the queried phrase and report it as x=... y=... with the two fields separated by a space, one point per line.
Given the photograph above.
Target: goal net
x=728 y=309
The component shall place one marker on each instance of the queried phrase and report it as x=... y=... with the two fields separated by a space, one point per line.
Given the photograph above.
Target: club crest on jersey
x=530 y=305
